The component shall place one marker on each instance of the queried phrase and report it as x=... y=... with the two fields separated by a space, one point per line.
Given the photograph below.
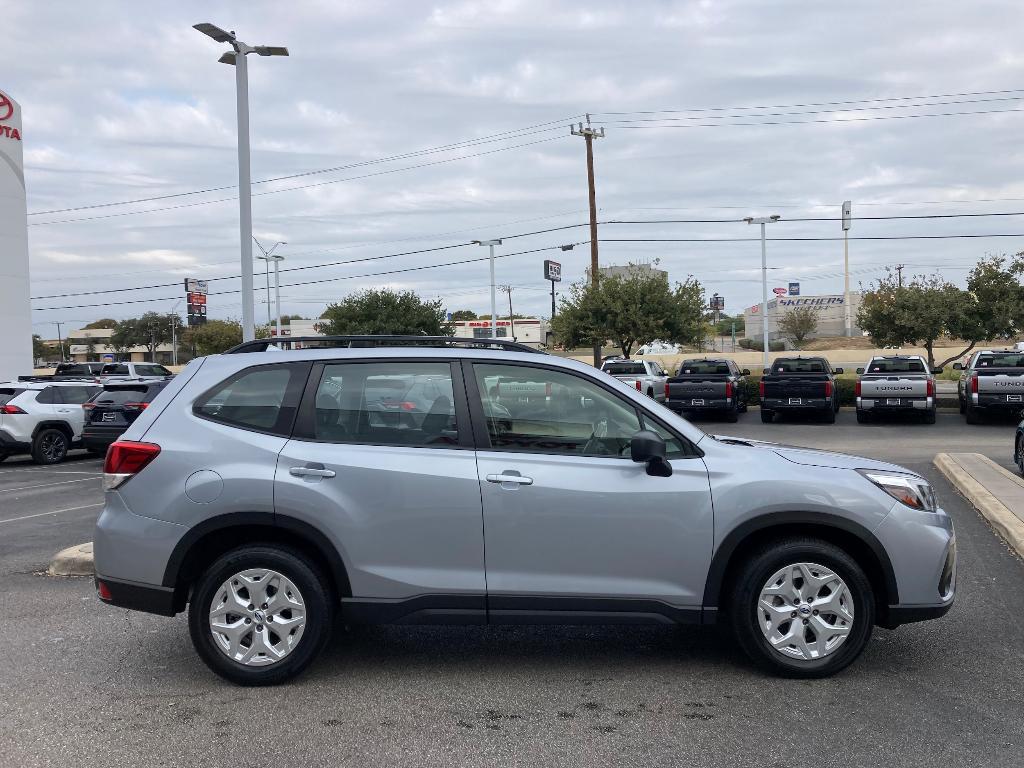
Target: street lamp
x=764 y=279
x=270 y=256
x=236 y=57
x=494 y=301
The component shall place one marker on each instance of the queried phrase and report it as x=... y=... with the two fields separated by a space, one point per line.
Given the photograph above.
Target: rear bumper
x=996 y=402
x=10 y=444
x=686 y=404
x=137 y=597
x=805 y=404
x=897 y=615
x=97 y=437
x=904 y=404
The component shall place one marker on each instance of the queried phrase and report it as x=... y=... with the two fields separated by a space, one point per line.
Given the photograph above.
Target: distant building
x=528 y=330
x=94 y=344
x=297 y=328
x=831 y=315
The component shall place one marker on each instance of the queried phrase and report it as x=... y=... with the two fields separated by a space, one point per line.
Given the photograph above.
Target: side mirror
x=647 y=447
x=766 y=371
x=745 y=371
x=936 y=370
x=860 y=370
x=837 y=371
x=958 y=366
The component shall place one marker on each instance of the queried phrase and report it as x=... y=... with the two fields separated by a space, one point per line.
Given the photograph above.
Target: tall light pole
x=236 y=57
x=764 y=279
x=174 y=332
x=268 y=256
x=494 y=300
x=847 y=208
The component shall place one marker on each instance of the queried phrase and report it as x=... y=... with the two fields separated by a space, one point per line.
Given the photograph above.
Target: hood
x=811 y=457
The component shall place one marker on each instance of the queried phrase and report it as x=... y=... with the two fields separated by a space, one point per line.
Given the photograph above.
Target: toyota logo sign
x=6 y=112
x=6 y=107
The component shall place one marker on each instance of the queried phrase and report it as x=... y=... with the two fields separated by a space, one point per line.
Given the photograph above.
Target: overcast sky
x=125 y=101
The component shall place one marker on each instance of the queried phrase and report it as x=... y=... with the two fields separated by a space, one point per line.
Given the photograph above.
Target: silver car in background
x=267 y=491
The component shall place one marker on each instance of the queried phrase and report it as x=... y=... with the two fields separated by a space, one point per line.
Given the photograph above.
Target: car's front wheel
x=260 y=614
x=802 y=608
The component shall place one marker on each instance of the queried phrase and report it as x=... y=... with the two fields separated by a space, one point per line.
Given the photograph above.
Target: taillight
x=103 y=591
x=974 y=384
x=931 y=388
x=728 y=390
x=143 y=406
x=88 y=406
x=760 y=387
x=828 y=389
x=639 y=386
x=856 y=389
x=125 y=459
x=10 y=410
x=666 y=390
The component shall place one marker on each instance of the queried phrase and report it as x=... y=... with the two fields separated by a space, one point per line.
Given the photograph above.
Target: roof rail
x=92 y=379
x=328 y=342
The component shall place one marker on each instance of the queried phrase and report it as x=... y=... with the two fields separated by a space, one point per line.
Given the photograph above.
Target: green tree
x=213 y=337
x=629 y=310
x=384 y=311
x=287 y=319
x=124 y=337
x=799 y=323
x=104 y=323
x=464 y=314
x=39 y=347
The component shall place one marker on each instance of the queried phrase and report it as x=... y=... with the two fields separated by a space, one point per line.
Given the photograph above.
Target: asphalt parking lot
x=86 y=684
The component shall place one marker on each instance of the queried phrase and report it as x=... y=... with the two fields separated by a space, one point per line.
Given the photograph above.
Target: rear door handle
x=311 y=472
x=513 y=479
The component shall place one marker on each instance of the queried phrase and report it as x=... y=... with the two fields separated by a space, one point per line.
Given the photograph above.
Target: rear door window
x=408 y=403
x=114 y=369
x=152 y=370
x=75 y=395
x=263 y=398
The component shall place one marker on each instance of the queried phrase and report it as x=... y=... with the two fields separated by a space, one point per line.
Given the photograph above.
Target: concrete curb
x=1007 y=524
x=73 y=561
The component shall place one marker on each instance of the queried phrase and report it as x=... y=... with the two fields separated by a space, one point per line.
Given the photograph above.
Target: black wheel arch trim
x=304 y=530
x=60 y=426
x=723 y=555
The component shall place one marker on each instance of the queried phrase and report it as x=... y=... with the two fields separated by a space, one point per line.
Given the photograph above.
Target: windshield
x=624 y=369
x=895 y=365
x=1001 y=360
x=688 y=367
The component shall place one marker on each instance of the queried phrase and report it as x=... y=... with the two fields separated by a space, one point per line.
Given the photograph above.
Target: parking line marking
x=50 y=485
x=12 y=470
x=54 y=512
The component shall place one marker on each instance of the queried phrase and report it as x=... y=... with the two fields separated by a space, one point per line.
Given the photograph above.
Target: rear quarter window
x=263 y=398
x=7 y=394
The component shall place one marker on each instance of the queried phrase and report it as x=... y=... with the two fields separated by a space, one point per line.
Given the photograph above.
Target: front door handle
x=513 y=479
x=311 y=472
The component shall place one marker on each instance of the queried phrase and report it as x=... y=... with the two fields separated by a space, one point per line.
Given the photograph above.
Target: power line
x=489 y=139
x=820 y=103
x=830 y=120
x=800 y=239
x=295 y=189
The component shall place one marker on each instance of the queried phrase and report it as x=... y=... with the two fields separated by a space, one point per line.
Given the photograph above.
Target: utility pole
x=899 y=274
x=511 y=318
x=589 y=134
x=764 y=279
x=494 y=306
x=60 y=342
x=847 y=209
x=152 y=342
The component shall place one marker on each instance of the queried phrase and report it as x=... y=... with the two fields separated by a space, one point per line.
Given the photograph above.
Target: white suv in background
x=42 y=418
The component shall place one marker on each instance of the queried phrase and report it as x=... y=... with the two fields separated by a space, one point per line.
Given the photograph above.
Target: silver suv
x=423 y=480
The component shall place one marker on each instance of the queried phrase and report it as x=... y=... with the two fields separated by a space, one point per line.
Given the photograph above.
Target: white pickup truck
x=646 y=375
x=896 y=383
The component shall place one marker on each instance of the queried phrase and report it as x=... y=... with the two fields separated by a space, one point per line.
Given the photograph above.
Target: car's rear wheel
x=970 y=414
x=49 y=446
x=929 y=416
x=802 y=608
x=1018 y=454
x=260 y=615
x=732 y=415
x=862 y=417
x=830 y=416
x=767 y=416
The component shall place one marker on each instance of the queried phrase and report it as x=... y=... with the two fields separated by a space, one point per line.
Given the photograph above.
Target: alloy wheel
x=805 y=611
x=52 y=446
x=257 y=617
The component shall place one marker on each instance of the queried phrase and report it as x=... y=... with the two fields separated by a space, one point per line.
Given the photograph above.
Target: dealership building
x=831 y=315
x=526 y=330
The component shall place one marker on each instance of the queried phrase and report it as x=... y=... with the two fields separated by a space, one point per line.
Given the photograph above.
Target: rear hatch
x=873 y=387
x=785 y=385
x=117 y=406
x=699 y=380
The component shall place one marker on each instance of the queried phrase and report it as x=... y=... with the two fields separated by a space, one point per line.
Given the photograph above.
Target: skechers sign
x=6 y=110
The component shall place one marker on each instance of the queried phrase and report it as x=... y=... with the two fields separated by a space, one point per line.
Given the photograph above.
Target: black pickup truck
x=992 y=381
x=708 y=385
x=799 y=384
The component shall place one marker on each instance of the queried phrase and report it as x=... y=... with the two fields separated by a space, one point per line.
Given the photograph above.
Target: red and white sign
x=780 y=291
x=6 y=111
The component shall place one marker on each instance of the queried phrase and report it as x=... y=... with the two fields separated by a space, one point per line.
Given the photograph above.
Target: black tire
x=3 y=456
x=743 y=407
x=767 y=417
x=732 y=415
x=650 y=393
x=971 y=415
x=311 y=583
x=50 y=446
x=862 y=417
x=960 y=402
x=830 y=416
x=755 y=572
x=929 y=416
x=1018 y=459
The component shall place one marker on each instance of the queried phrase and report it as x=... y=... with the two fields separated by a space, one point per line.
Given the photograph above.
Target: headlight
x=913 y=491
